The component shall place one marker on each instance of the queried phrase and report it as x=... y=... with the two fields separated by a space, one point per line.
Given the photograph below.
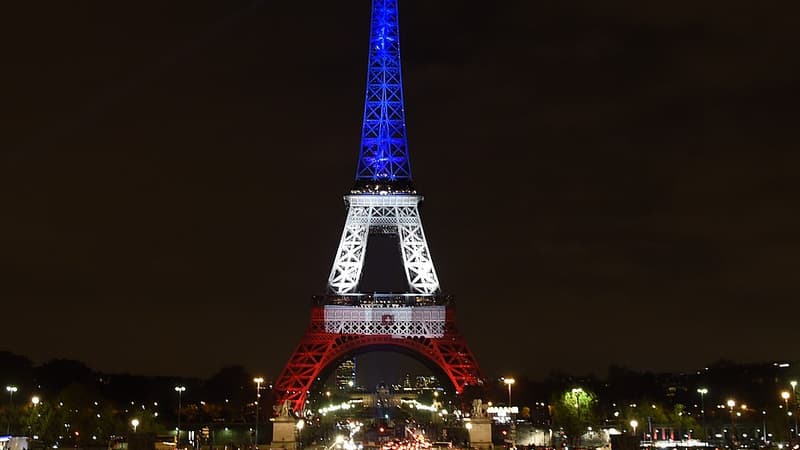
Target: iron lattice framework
x=384 y=147
x=345 y=322
x=394 y=214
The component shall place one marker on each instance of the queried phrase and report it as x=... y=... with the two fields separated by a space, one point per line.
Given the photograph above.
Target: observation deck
x=383 y=187
x=383 y=300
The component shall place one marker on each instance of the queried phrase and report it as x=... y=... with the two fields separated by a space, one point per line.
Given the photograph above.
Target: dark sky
x=605 y=182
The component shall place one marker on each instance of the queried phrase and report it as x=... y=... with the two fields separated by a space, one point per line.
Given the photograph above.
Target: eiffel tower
x=345 y=322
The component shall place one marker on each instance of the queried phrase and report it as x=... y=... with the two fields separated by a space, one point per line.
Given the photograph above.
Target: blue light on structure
x=384 y=148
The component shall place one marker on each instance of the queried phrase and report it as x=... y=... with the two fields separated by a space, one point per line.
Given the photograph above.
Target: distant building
x=418 y=383
x=426 y=382
x=346 y=375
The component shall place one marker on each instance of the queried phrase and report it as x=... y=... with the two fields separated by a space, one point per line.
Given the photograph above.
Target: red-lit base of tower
x=319 y=350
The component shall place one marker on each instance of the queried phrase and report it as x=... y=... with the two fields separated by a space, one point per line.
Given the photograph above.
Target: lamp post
x=135 y=424
x=509 y=382
x=179 y=390
x=785 y=396
x=793 y=383
x=299 y=427
x=731 y=403
x=634 y=424
x=257 y=381
x=11 y=390
x=703 y=392
x=35 y=400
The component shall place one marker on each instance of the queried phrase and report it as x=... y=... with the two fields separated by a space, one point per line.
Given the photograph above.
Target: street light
x=785 y=396
x=703 y=392
x=731 y=404
x=509 y=382
x=299 y=426
x=257 y=381
x=793 y=383
x=179 y=390
x=135 y=424
x=35 y=400
x=11 y=390
x=634 y=424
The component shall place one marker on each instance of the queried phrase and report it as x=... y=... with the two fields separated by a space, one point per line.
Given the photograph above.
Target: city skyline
x=602 y=186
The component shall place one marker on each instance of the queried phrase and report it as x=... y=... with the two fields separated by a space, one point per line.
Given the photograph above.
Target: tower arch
x=320 y=349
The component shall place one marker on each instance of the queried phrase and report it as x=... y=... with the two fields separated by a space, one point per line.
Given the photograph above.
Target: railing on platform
x=382 y=300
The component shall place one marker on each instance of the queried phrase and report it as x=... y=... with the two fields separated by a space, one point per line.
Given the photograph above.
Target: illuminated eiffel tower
x=346 y=322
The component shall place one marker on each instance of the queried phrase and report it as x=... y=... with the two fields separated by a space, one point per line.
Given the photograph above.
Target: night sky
x=605 y=182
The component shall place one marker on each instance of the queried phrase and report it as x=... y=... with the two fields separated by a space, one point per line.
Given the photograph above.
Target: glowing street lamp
x=509 y=382
x=634 y=424
x=731 y=404
x=135 y=424
x=257 y=381
x=785 y=396
x=793 y=383
x=35 y=400
x=11 y=390
x=703 y=392
x=179 y=390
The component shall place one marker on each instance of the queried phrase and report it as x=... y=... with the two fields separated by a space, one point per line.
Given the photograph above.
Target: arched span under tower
x=425 y=330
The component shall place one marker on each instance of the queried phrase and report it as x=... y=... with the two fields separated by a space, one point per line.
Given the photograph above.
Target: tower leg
x=346 y=271
x=420 y=273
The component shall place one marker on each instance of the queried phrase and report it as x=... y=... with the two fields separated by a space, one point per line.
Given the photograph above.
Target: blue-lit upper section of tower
x=383 y=162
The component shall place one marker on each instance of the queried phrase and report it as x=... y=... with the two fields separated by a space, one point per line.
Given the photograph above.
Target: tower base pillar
x=284 y=434
x=480 y=433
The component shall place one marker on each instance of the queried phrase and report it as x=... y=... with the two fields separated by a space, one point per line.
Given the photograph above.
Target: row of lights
x=785 y=395
x=135 y=422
